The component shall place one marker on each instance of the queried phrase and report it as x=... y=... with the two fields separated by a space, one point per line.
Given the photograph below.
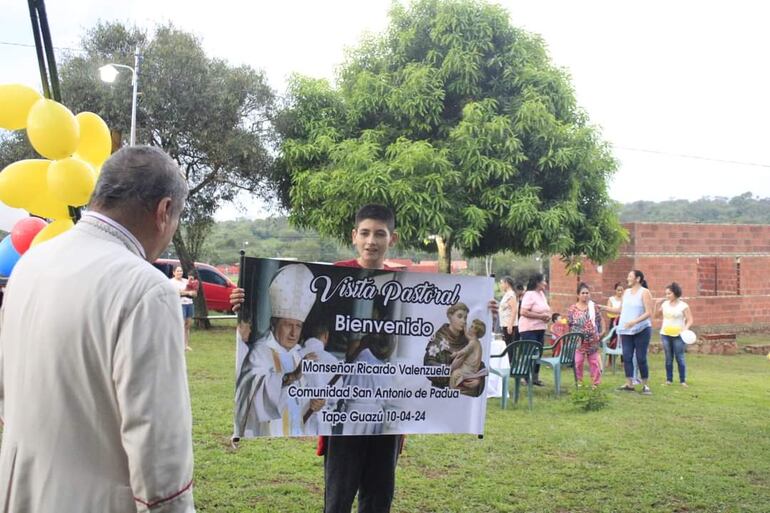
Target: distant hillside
x=745 y=208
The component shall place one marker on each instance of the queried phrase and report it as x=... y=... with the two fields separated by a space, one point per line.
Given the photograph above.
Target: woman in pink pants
x=584 y=317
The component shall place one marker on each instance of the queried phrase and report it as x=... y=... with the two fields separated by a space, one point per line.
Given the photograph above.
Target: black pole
x=39 y=48
x=48 y=45
x=241 y=273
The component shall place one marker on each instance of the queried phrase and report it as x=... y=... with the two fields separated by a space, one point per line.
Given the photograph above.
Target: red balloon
x=24 y=231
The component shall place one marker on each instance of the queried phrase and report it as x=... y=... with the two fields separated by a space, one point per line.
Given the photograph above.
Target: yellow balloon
x=95 y=140
x=49 y=205
x=24 y=181
x=71 y=180
x=52 y=129
x=51 y=231
x=15 y=102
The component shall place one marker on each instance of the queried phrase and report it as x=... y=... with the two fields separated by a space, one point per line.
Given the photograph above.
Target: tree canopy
x=211 y=117
x=461 y=123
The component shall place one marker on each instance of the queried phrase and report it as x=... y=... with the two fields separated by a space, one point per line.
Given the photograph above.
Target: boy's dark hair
x=640 y=276
x=555 y=316
x=535 y=280
x=378 y=213
x=519 y=287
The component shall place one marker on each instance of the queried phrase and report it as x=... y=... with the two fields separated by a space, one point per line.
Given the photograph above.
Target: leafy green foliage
x=588 y=399
x=212 y=118
x=14 y=146
x=460 y=122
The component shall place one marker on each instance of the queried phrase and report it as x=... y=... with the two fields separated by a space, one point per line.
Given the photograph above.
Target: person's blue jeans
x=636 y=345
x=674 y=348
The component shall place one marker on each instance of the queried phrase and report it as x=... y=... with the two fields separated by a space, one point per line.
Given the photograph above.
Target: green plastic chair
x=608 y=351
x=569 y=344
x=522 y=354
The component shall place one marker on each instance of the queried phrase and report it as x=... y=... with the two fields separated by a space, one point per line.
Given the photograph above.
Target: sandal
x=627 y=388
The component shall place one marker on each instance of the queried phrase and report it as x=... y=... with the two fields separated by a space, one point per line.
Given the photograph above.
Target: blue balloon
x=8 y=256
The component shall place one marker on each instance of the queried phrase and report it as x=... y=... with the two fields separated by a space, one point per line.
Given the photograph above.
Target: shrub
x=586 y=399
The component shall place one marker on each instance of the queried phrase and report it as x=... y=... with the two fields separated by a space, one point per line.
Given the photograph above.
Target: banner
x=329 y=350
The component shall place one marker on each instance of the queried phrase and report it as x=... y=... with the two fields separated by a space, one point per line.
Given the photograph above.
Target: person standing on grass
x=614 y=302
x=93 y=384
x=677 y=318
x=535 y=314
x=362 y=465
x=584 y=317
x=365 y=464
x=635 y=329
x=186 y=295
x=509 y=310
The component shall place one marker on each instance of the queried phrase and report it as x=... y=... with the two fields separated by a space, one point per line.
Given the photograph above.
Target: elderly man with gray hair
x=93 y=385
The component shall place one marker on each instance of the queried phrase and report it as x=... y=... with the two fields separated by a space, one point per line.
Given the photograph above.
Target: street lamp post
x=109 y=73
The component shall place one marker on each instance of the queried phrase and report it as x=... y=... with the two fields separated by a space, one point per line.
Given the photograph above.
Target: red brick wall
x=724 y=271
x=706 y=239
x=755 y=276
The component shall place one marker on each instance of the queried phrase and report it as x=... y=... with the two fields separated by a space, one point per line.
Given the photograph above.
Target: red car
x=216 y=286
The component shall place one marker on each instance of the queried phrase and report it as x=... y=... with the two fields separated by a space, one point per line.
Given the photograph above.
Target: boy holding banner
x=360 y=464
x=364 y=464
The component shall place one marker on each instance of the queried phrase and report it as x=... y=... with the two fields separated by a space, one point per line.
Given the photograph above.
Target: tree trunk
x=202 y=313
x=488 y=265
x=444 y=254
x=117 y=139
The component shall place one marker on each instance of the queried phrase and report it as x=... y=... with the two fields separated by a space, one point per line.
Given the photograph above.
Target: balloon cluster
x=74 y=149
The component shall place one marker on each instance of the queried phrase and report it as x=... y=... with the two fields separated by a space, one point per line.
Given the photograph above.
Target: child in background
x=193 y=284
x=559 y=328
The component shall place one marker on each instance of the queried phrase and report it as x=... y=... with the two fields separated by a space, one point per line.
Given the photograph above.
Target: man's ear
x=353 y=235
x=164 y=213
x=393 y=239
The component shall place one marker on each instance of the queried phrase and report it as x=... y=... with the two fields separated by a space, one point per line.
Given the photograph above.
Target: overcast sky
x=664 y=80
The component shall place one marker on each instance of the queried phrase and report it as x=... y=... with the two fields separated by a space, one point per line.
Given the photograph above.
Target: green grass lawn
x=705 y=449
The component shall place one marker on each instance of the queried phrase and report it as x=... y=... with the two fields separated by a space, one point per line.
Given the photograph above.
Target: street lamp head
x=108 y=73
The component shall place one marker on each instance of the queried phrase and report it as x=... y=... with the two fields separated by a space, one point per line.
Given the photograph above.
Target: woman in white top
x=614 y=302
x=676 y=319
x=185 y=297
x=509 y=307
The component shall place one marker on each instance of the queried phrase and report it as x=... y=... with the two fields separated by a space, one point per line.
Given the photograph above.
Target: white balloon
x=9 y=216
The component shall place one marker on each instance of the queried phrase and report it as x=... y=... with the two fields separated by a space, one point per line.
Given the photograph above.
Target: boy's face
x=372 y=238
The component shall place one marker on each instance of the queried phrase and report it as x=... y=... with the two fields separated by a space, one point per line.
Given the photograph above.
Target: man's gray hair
x=139 y=177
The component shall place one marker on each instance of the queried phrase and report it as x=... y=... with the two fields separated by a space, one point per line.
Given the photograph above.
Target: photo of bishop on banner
x=325 y=350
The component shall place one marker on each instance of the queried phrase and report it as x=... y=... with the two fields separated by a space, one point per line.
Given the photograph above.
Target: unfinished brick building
x=724 y=271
